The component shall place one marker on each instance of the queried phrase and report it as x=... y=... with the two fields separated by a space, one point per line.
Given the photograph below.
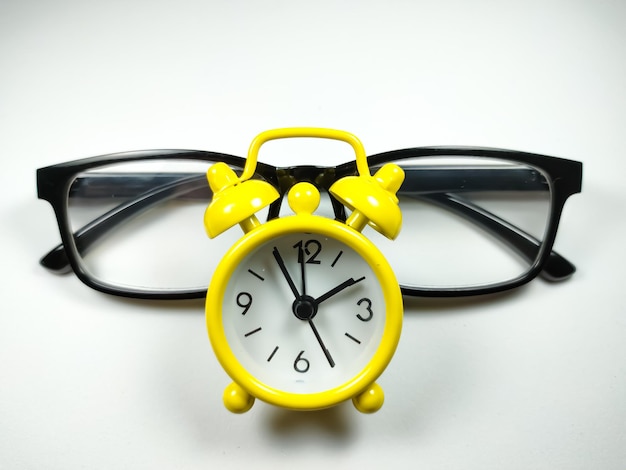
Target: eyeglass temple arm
x=556 y=268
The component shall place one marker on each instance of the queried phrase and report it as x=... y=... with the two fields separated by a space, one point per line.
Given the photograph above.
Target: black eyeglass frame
x=564 y=177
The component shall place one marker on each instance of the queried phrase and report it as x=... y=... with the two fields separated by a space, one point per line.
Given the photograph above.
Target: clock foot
x=370 y=400
x=236 y=399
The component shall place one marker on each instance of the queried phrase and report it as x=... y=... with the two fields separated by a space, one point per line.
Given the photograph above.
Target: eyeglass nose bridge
x=322 y=177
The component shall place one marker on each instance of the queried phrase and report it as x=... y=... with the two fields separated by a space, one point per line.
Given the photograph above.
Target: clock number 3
x=368 y=308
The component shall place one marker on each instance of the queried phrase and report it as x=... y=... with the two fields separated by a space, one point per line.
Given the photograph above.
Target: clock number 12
x=311 y=248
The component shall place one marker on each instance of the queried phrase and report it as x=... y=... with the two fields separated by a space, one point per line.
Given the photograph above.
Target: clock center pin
x=304 y=307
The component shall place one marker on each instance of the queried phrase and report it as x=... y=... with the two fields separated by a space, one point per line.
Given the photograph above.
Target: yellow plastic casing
x=366 y=394
x=377 y=199
x=234 y=201
x=372 y=200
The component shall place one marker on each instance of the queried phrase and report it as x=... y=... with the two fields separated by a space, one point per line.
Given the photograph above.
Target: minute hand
x=283 y=269
x=336 y=290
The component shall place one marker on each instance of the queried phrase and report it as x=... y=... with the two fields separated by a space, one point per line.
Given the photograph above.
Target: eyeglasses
x=475 y=220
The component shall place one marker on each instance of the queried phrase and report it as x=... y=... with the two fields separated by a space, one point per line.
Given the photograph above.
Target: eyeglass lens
x=463 y=219
x=467 y=222
x=152 y=214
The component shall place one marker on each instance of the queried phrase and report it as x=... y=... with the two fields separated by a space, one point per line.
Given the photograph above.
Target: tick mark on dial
x=252 y=332
x=272 y=355
x=332 y=265
x=353 y=338
x=256 y=275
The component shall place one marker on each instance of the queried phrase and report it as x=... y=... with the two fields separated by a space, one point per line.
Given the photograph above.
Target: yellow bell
x=372 y=199
x=234 y=201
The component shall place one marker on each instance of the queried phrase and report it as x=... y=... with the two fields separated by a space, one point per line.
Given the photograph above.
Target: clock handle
x=372 y=199
x=315 y=132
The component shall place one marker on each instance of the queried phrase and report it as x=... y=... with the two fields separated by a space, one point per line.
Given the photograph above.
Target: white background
x=535 y=379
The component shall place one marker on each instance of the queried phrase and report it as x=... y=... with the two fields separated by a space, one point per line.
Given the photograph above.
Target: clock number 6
x=368 y=307
x=244 y=300
x=301 y=364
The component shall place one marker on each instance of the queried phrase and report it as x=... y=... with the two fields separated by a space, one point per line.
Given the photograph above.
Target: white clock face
x=303 y=313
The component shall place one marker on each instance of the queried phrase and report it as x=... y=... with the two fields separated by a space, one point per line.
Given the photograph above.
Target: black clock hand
x=302 y=270
x=283 y=268
x=336 y=290
x=319 y=340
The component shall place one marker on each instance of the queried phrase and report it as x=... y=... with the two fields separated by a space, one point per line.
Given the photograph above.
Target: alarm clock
x=304 y=312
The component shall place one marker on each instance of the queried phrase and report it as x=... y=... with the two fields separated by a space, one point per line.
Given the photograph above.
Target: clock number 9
x=301 y=364
x=368 y=307
x=244 y=300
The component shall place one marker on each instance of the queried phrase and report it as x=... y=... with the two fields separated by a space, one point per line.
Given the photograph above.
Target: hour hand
x=283 y=269
x=336 y=290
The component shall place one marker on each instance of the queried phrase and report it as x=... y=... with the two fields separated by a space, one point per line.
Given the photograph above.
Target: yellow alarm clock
x=304 y=312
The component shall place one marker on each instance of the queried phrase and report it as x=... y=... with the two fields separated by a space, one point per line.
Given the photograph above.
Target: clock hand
x=336 y=290
x=302 y=263
x=283 y=268
x=319 y=340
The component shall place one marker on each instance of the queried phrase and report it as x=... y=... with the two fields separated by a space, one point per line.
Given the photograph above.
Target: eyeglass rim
x=565 y=179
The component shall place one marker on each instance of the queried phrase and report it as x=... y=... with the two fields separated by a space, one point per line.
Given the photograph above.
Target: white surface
x=534 y=379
